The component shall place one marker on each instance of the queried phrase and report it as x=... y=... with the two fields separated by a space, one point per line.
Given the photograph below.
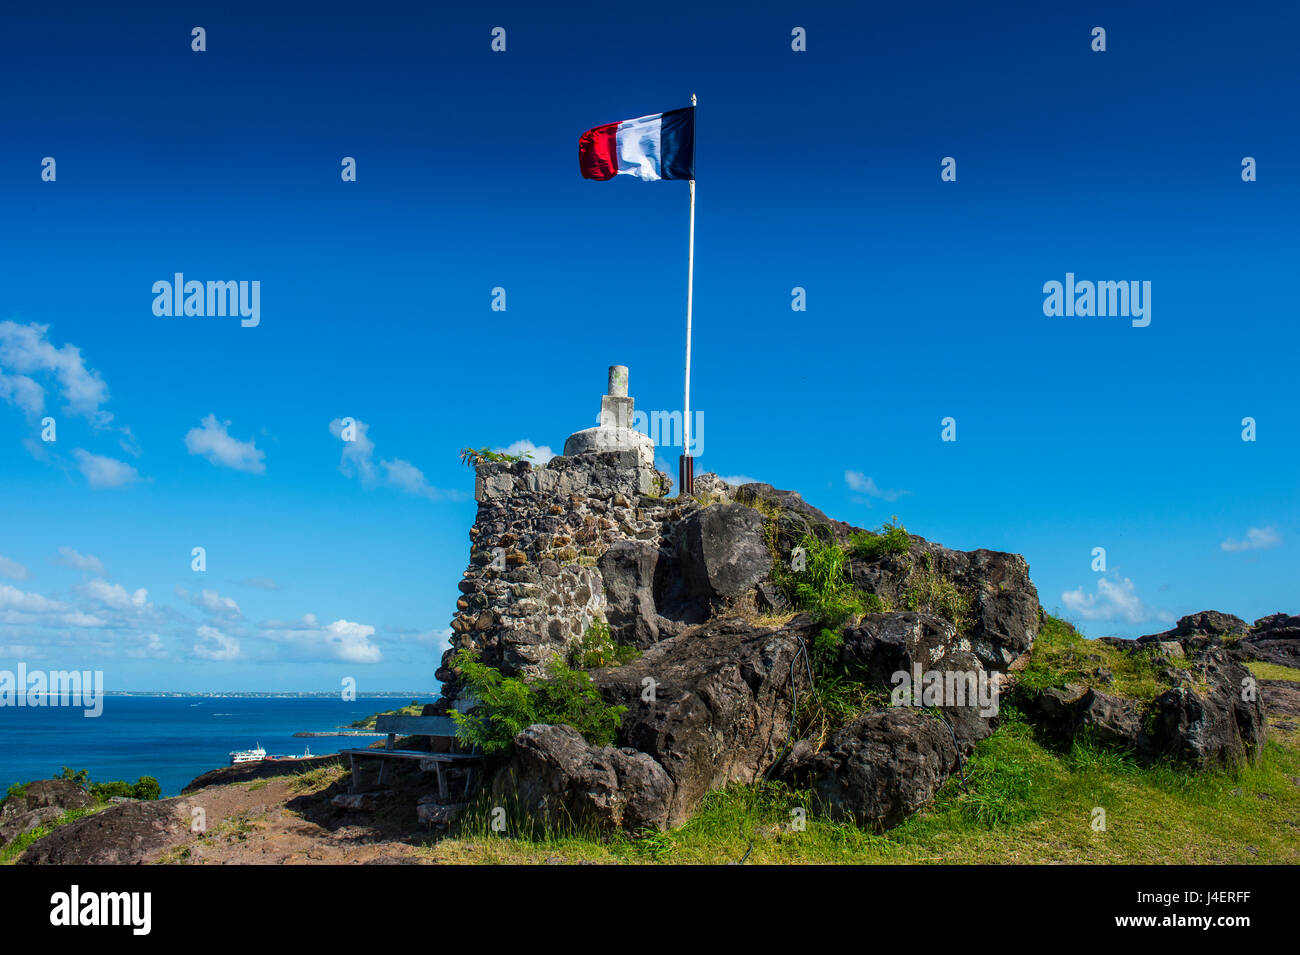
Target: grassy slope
x=10 y=852
x=411 y=709
x=1273 y=671
x=1022 y=802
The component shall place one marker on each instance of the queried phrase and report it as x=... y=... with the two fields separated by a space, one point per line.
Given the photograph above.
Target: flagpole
x=686 y=466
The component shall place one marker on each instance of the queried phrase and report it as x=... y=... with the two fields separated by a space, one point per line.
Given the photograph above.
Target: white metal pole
x=690 y=294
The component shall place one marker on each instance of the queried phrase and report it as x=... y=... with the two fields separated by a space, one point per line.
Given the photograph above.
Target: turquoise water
x=173 y=739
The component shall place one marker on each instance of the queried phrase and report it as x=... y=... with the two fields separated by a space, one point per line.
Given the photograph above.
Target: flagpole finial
x=693 y=99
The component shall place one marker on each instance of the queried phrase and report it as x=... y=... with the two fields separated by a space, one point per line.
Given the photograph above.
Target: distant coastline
x=176 y=737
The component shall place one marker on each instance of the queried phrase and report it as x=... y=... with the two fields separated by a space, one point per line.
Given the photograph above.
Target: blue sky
x=817 y=169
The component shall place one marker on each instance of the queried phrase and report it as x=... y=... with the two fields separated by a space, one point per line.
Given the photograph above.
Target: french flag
x=659 y=146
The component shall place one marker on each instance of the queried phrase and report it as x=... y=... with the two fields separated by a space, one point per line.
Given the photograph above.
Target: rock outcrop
x=1273 y=639
x=557 y=779
x=1003 y=613
x=120 y=835
x=1209 y=718
x=700 y=585
x=681 y=580
x=713 y=705
x=878 y=769
x=41 y=802
x=590 y=537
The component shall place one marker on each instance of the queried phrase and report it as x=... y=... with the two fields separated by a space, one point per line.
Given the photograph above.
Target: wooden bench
x=435 y=727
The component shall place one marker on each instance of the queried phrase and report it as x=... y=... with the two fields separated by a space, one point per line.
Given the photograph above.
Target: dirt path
x=252 y=824
x=256 y=819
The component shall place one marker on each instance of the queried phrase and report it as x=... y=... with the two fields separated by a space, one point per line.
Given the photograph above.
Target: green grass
x=930 y=593
x=414 y=708
x=891 y=538
x=823 y=587
x=1062 y=655
x=1018 y=800
x=317 y=778
x=597 y=648
x=1021 y=802
x=10 y=852
x=1273 y=671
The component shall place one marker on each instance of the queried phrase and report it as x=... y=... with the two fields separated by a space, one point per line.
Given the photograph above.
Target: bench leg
x=442 y=783
x=382 y=764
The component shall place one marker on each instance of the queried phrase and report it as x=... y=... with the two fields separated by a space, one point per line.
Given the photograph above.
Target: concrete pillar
x=617 y=381
x=616 y=406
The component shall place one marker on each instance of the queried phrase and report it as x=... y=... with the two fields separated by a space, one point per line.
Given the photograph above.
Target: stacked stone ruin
x=533 y=586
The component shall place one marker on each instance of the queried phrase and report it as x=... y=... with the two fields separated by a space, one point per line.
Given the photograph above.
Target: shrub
x=16 y=790
x=934 y=594
x=505 y=705
x=823 y=588
x=476 y=456
x=892 y=538
x=146 y=787
x=871 y=603
x=597 y=648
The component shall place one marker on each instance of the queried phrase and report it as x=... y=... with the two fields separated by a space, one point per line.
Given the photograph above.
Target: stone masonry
x=533 y=586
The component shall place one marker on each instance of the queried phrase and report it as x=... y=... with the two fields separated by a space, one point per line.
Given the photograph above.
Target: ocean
x=172 y=738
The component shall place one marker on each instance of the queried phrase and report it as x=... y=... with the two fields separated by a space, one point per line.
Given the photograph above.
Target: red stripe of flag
x=598 y=152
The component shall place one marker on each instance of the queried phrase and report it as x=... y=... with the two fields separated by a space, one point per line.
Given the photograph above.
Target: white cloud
x=128 y=442
x=358 y=461
x=215 y=645
x=340 y=640
x=12 y=569
x=79 y=618
x=358 y=449
x=214 y=442
x=540 y=454
x=1257 y=538
x=1114 y=600
x=104 y=472
x=149 y=645
x=352 y=642
x=211 y=601
x=70 y=558
x=21 y=608
x=857 y=481
x=439 y=637
x=11 y=598
x=736 y=480
x=104 y=620
x=261 y=583
x=25 y=351
x=407 y=477
x=23 y=392
x=116 y=596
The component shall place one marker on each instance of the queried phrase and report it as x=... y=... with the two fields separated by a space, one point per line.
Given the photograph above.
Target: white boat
x=306 y=755
x=247 y=755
